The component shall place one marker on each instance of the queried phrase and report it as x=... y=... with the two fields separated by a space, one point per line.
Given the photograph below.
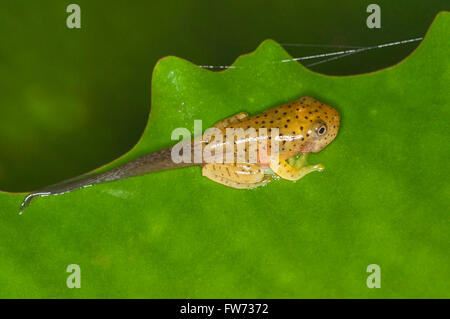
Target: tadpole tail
x=143 y=165
x=27 y=201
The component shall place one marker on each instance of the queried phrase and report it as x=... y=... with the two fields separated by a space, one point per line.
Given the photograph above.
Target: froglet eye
x=321 y=129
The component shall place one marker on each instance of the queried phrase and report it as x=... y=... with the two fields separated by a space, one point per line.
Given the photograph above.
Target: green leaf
x=382 y=199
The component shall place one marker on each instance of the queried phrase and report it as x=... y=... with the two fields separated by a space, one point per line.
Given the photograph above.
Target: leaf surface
x=382 y=199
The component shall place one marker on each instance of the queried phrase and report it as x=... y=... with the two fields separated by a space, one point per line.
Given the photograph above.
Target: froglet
x=303 y=126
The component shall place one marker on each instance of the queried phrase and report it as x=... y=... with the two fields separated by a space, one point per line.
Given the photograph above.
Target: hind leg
x=241 y=176
x=231 y=120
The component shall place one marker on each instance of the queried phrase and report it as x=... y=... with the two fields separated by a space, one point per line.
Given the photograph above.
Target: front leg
x=295 y=171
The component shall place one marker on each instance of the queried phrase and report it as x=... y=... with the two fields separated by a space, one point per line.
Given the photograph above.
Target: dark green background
x=96 y=80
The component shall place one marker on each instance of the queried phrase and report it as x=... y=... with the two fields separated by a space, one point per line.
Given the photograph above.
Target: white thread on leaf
x=336 y=55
